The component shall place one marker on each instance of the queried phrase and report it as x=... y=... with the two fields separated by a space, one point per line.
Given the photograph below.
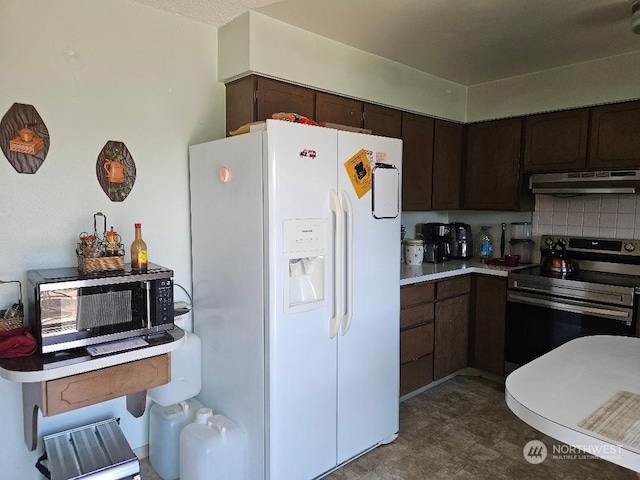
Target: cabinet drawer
x=416 y=374
x=454 y=287
x=417 y=293
x=416 y=342
x=76 y=391
x=412 y=316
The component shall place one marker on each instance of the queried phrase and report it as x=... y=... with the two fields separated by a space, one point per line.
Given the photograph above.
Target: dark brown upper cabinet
x=417 y=161
x=447 y=165
x=615 y=136
x=240 y=102
x=383 y=121
x=493 y=180
x=252 y=99
x=336 y=109
x=556 y=142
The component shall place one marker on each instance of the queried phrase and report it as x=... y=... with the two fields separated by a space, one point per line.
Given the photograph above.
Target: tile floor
x=462 y=429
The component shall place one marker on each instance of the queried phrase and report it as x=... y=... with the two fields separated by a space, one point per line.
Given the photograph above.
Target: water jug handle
x=221 y=428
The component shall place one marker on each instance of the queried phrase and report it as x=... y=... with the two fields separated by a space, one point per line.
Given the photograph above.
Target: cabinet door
x=416 y=315
x=490 y=311
x=417 y=293
x=383 y=121
x=447 y=165
x=416 y=374
x=335 y=109
x=453 y=287
x=274 y=97
x=451 y=336
x=493 y=165
x=416 y=342
x=556 y=142
x=417 y=158
x=615 y=136
x=240 y=102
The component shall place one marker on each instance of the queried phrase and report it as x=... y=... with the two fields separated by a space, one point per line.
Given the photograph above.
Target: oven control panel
x=592 y=245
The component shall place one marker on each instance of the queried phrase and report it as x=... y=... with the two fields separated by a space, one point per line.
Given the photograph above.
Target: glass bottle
x=484 y=244
x=138 y=250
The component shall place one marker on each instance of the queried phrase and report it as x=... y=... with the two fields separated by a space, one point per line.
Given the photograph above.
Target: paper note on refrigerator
x=359 y=171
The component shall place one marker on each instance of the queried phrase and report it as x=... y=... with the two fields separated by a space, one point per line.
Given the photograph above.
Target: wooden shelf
x=61 y=383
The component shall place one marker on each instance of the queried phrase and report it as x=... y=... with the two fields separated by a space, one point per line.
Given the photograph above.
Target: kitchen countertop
x=556 y=392
x=410 y=274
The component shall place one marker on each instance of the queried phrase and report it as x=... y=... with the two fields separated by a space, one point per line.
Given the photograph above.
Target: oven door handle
x=573 y=307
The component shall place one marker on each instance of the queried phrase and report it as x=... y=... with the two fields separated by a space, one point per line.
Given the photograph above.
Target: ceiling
x=465 y=41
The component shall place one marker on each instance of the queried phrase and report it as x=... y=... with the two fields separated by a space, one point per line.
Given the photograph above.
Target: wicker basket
x=15 y=313
x=100 y=264
x=9 y=323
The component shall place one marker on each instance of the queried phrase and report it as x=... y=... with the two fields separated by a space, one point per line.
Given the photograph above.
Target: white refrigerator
x=295 y=256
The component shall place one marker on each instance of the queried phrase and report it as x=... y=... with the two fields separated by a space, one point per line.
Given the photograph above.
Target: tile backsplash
x=604 y=216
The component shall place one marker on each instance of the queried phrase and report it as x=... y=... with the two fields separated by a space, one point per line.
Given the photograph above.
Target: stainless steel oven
x=545 y=309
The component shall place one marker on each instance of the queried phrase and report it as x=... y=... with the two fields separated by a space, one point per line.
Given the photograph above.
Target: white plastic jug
x=211 y=448
x=186 y=374
x=165 y=425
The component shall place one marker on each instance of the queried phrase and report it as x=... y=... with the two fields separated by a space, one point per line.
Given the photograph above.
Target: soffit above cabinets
x=464 y=41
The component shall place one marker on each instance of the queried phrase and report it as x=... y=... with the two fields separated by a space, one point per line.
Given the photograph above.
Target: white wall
x=256 y=43
x=600 y=81
x=99 y=71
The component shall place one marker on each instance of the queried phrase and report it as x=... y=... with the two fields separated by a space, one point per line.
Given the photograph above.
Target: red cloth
x=17 y=343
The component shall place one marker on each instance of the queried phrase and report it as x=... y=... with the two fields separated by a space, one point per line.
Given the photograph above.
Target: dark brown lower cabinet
x=446 y=326
x=451 y=336
x=490 y=311
x=416 y=374
x=416 y=336
x=416 y=358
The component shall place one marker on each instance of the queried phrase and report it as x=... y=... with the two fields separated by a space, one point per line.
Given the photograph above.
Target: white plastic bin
x=165 y=425
x=211 y=448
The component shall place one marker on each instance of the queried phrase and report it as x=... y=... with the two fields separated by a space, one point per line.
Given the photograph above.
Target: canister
x=521 y=230
x=524 y=248
x=413 y=251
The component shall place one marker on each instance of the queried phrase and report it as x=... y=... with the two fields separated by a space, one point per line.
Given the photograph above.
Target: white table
x=556 y=391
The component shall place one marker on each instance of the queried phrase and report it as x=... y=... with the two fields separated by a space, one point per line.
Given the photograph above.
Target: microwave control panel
x=164 y=301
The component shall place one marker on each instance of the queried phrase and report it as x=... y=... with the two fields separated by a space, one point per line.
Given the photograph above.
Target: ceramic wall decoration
x=24 y=138
x=116 y=170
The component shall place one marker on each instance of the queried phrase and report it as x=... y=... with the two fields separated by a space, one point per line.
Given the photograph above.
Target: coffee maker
x=437 y=237
x=460 y=242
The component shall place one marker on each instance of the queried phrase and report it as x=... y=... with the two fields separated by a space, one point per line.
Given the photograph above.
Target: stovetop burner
x=582 y=276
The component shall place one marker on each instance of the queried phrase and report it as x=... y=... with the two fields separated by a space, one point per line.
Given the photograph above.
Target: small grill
x=98 y=451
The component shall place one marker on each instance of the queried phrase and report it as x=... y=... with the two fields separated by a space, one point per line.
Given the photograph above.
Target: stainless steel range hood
x=618 y=181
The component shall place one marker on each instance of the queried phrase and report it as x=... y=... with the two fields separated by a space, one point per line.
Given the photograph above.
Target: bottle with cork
x=138 y=251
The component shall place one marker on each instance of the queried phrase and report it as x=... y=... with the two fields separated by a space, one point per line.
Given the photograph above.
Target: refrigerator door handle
x=348 y=211
x=334 y=322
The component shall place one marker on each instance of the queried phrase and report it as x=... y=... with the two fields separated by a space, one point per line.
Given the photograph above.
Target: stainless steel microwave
x=68 y=310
